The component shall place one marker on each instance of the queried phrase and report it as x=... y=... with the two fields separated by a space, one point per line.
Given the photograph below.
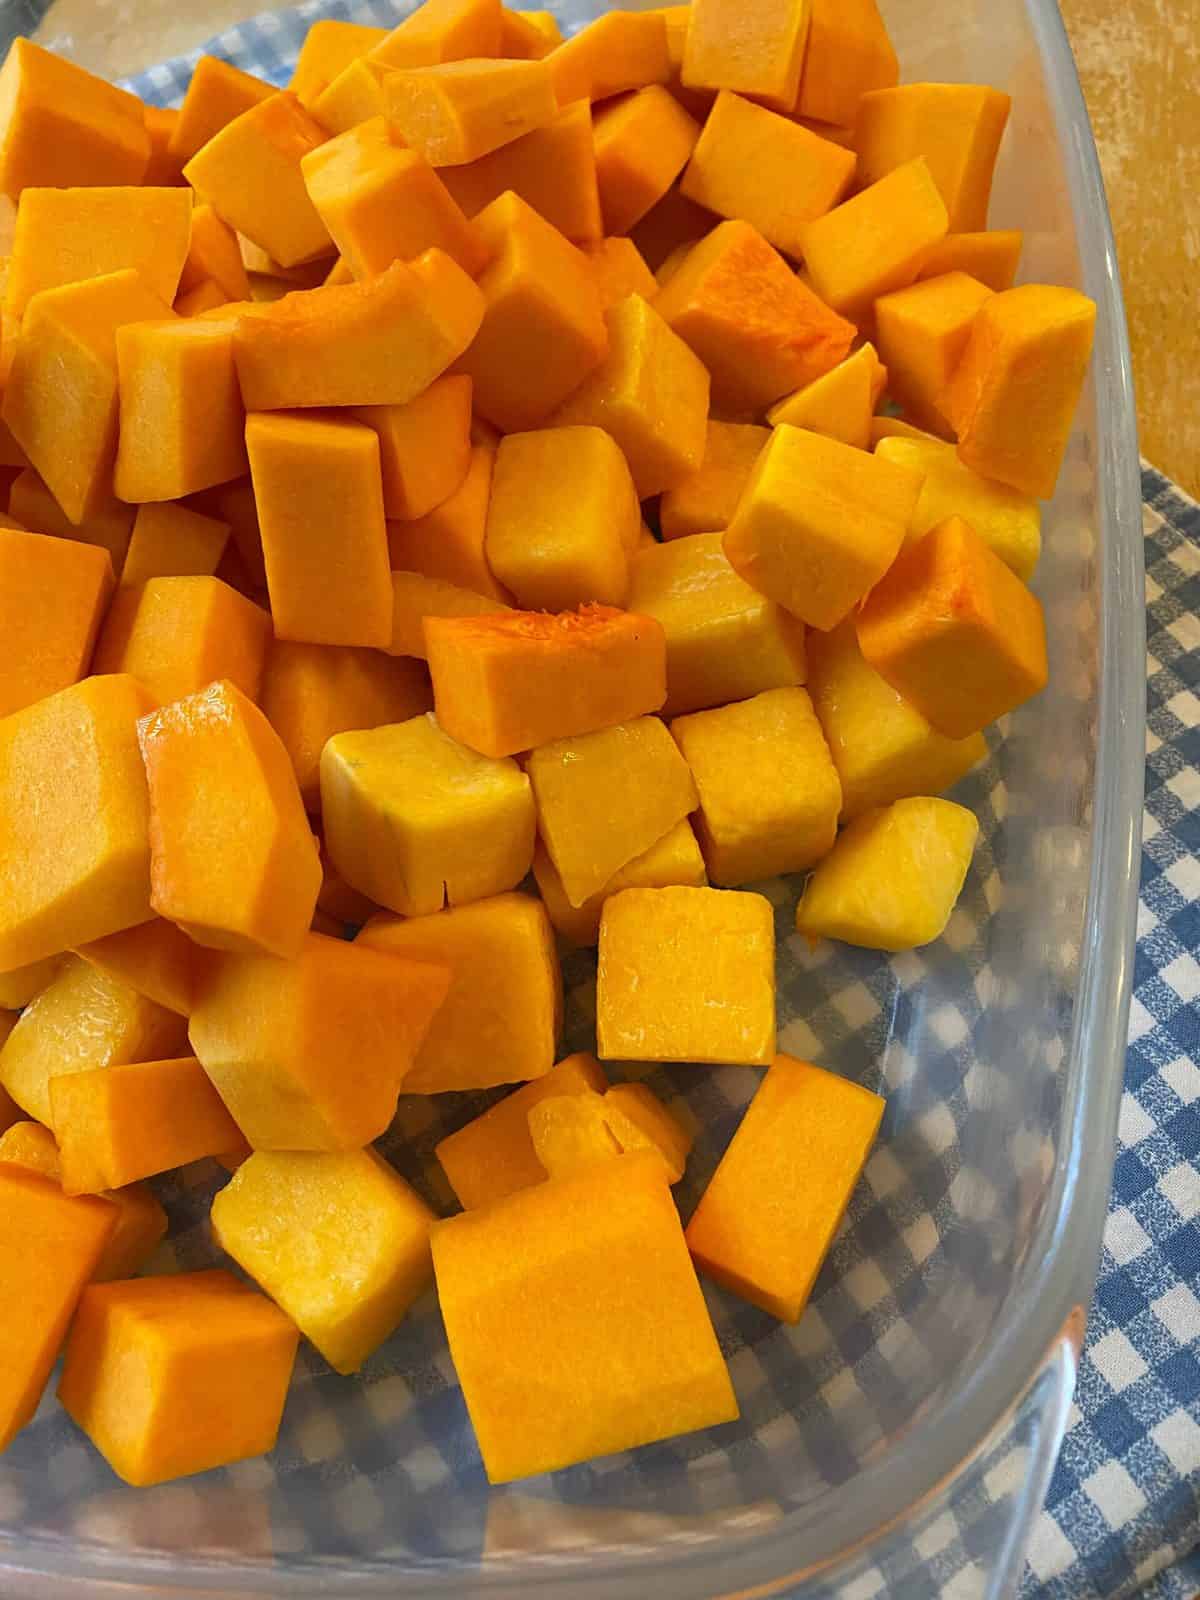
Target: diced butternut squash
x=674 y=221
x=329 y=45
x=553 y=169
x=955 y=631
x=217 y=92
x=563 y=518
x=956 y=127
x=619 y=270
x=176 y=635
x=424 y=447
x=416 y=821
x=922 y=333
x=882 y=746
x=83 y=1020
x=650 y=392
x=547 y=25
x=417 y=597
x=311 y=692
x=756 y=327
x=990 y=258
x=355 y=95
x=705 y=501
x=518 y=679
x=1012 y=398
x=896 y=428
x=849 y=53
x=336 y=1238
x=174 y=1375
x=61 y=126
x=754 y=164
x=250 y=174
x=318 y=487
x=520 y=39
x=501 y=1019
x=19 y=985
x=169 y=541
x=448 y=543
x=840 y=402
x=154 y=958
x=639 y=1121
x=458 y=111
x=643 y=142
x=444 y=30
x=569 y=1133
x=574 y=781
x=617 y=51
x=49 y=1248
x=310 y=1053
x=769 y=1215
x=581 y=1290
x=818 y=524
x=52 y=596
x=83 y=869
x=32 y=506
x=213 y=256
x=673 y=859
x=758 y=53
x=218 y=770
x=686 y=975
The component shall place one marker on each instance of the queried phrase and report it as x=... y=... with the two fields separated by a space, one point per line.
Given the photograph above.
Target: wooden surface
x=1139 y=61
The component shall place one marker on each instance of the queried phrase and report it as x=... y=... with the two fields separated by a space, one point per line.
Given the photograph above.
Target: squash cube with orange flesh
x=501 y=1018
x=310 y=1053
x=686 y=975
x=758 y=54
x=19 y=985
x=175 y=635
x=553 y=169
x=673 y=859
x=885 y=427
x=840 y=402
x=569 y=1133
x=311 y=692
x=179 y=1374
x=171 y=541
x=217 y=771
x=518 y=679
x=769 y=1215
x=336 y=1238
x=83 y=869
x=458 y=111
x=640 y=1121
x=32 y=506
x=615 y=52
x=619 y=270
x=922 y=333
x=754 y=164
x=217 y=92
x=955 y=632
x=642 y=141
x=52 y=596
x=213 y=256
x=521 y=39
x=448 y=543
x=849 y=53
x=753 y=323
x=154 y=958
x=424 y=447
x=956 y=127
x=819 y=524
x=442 y=30
x=593 y=1336
x=705 y=501
x=989 y=257
x=329 y=46
x=416 y=597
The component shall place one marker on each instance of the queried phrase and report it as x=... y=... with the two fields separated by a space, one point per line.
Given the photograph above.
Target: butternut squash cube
x=840 y=402
x=617 y=51
x=417 y=597
x=60 y=125
x=415 y=821
x=553 y=169
x=447 y=543
x=518 y=679
x=383 y=202
x=213 y=256
x=442 y=30
x=759 y=54
x=643 y=142
x=493 y=1155
x=174 y=1375
x=19 y=986
x=176 y=635
x=675 y=858
x=381 y=342
x=753 y=323
x=424 y=447
x=169 y=541
x=769 y=1215
x=520 y=39
x=250 y=174
x=501 y=1019
x=117 y=1124
x=575 y=1321
x=754 y=164
x=619 y=270
x=922 y=333
x=848 y=54
x=893 y=877
x=32 y=506
x=569 y=1133
x=546 y=24
x=52 y=596
x=355 y=95
x=883 y=427
x=818 y=524
x=217 y=92
x=83 y=1019
x=705 y=501
x=318 y=487
x=650 y=392
x=769 y=791
x=154 y=958
x=563 y=518
x=182 y=418
x=329 y=45
x=310 y=1053
x=882 y=747
x=955 y=632
x=543 y=331
x=458 y=111
x=638 y=1120
x=686 y=975
x=991 y=258
x=311 y=692
x=336 y=1238
x=83 y=869
x=956 y=127
x=49 y=1248
x=1012 y=398
x=217 y=770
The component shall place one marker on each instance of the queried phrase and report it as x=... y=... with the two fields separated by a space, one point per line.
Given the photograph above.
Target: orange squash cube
x=990 y=258
x=643 y=142
x=518 y=679
x=840 y=402
x=169 y=541
x=52 y=596
x=448 y=542
x=458 y=111
x=956 y=127
x=155 y=959
x=278 y=1039
x=442 y=30
x=32 y=506
x=417 y=597
x=848 y=54
x=705 y=501
x=922 y=332
x=553 y=169
x=217 y=92
x=174 y=1375
x=638 y=1120
x=520 y=39
x=759 y=54
x=213 y=762
x=62 y=126
x=213 y=256
x=176 y=635
x=617 y=51
x=569 y=1134
x=18 y=987
x=355 y=95
x=769 y=1215
x=955 y=632
x=673 y=859
x=424 y=447
x=329 y=46
x=896 y=428
x=619 y=270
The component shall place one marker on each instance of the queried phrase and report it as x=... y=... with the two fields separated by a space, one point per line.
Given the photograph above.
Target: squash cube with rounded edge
x=704 y=502
x=424 y=446
x=640 y=1121
x=569 y=1133
x=53 y=594
x=922 y=332
x=337 y=1239
x=686 y=975
x=675 y=858
x=176 y=635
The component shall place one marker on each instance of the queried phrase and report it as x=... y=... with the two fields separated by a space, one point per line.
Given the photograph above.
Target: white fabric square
x=1114 y=1494
x=1179 y=1312
x=1116 y=1360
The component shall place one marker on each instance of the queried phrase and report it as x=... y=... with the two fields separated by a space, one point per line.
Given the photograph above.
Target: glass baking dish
x=909 y=1424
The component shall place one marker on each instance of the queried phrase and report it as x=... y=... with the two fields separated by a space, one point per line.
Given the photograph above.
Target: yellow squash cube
x=569 y=1133
x=893 y=877
x=922 y=333
x=769 y=791
x=705 y=501
x=424 y=447
x=156 y=958
x=575 y=1321
x=840 y=402
x=337 y=1239
x=415 y=821
x=686 y=975
x=575 y=782
x=673 y=859
x=640 y=1121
